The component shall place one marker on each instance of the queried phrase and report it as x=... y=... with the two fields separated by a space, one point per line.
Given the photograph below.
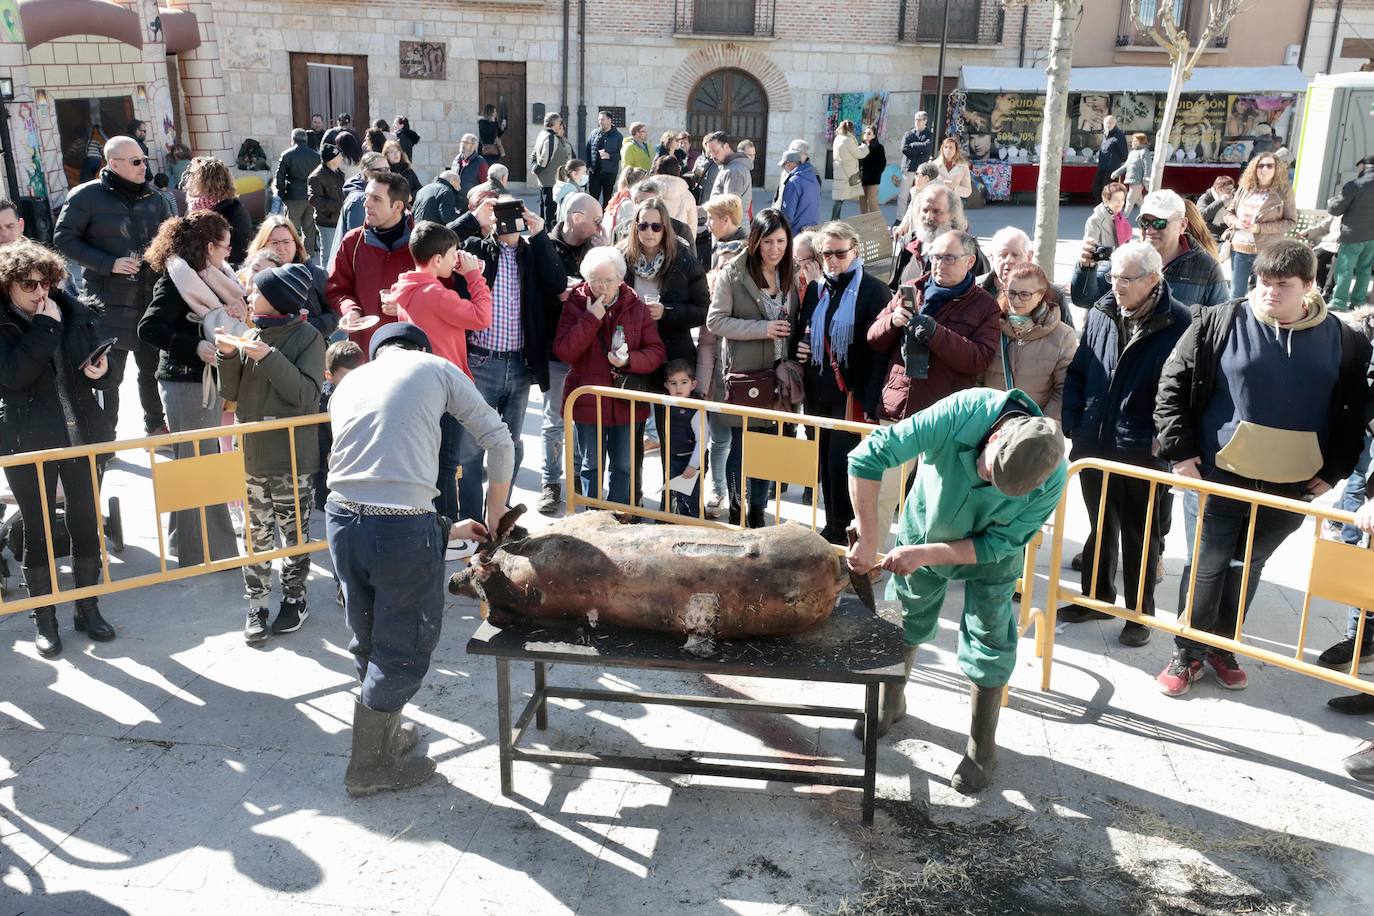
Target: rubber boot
x=46 y=640
x=891 y=701
x=974 y=773
x=86 y=571
x=375 y=764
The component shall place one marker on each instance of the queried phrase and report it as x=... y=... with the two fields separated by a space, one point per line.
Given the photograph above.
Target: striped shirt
x=505 y=332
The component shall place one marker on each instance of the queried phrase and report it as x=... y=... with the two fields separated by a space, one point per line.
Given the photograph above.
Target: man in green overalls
x=991 y=471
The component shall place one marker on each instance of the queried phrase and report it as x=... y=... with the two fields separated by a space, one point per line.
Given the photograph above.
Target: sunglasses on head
x=1157 y=223
x=29 y=286
x=650 y=227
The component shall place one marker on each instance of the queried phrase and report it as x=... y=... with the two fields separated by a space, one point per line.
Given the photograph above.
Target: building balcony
x=970 y=22
x=733 y=18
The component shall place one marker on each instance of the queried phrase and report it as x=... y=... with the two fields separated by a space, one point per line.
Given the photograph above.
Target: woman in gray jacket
x=752 y=310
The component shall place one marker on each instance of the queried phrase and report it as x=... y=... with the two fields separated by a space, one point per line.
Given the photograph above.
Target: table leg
x=541 y=712
x=503 y=722
x=870 y=751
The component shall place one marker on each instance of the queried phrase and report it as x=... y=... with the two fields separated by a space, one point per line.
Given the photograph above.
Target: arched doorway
x=733 y=101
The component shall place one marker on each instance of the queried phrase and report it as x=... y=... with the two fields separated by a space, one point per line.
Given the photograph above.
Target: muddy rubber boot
x=86 y=571
x=375 y=764
x=974 y=773
x=46 y=640
x=891 y=701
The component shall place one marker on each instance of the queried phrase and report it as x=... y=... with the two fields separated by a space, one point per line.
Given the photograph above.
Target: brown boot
x=891 y=700
x=974 y=773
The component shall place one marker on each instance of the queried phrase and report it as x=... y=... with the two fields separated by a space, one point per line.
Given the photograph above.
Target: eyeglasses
x=1265 y=165
x=1118 y=278
x=1025 y=295
x=947 y=258
x=29 y=286
x=811 y=260
x=835 y=255
x=132 y=160
x=650 y=227
x=1157 y=223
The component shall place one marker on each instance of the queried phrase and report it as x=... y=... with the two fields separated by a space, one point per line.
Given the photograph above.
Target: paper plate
x=361 y=324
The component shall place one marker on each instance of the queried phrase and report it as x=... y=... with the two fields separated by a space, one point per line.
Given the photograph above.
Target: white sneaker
x=459 y=550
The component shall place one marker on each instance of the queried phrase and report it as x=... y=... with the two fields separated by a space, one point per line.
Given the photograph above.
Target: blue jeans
x=505 y=385
x=1241 y=266
x=551 y=429
x=1221 y=557
x=720 y=452
x=758 y=489
x=326 y=244
x=1352 y=497
x=391 y=569
x=615 y=445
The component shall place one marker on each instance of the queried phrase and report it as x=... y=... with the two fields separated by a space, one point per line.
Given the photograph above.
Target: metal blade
x=862 y=584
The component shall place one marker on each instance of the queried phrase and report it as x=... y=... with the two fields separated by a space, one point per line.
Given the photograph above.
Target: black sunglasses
x=650 y=227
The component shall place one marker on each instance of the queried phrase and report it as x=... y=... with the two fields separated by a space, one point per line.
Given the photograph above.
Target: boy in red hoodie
x=420 y=296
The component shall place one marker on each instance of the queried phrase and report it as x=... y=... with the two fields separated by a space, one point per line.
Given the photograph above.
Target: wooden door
x=329 y=84
x=732 y=101
x=502 y=83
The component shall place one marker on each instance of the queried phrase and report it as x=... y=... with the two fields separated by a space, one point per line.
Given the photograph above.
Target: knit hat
x=287 y=288
x=399 y=330
x=328 y=151
x=1164 y=204
x=1029 y=449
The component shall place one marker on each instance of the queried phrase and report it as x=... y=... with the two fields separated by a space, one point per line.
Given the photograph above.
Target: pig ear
x=507 y=523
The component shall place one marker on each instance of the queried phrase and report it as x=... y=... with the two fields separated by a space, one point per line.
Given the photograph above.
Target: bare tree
x=1053 y=134
x=1183 y=56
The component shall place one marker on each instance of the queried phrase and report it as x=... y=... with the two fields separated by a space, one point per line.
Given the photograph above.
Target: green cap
x=1028 y=451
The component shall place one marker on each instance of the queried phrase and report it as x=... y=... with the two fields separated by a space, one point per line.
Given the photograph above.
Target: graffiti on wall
x=28 y=151
x=11 y=27
x=424 y=60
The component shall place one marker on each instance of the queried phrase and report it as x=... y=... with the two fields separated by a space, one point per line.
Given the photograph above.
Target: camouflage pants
x=272 y=509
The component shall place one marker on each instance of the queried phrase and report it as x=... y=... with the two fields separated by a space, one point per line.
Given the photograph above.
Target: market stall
x=1225 y=114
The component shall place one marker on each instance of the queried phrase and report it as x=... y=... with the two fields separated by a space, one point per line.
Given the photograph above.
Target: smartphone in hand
x=98 y=353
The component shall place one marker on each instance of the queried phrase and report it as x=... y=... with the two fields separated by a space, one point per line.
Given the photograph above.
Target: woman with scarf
x=210 y=186
x=48 y=400
x=173 y=324
x=752 y=309
x=1036 y=347
x=670 y=281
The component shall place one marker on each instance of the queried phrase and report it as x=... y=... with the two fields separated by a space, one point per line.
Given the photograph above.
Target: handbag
x=493 y=149
x=757 y=389
x=855 y=180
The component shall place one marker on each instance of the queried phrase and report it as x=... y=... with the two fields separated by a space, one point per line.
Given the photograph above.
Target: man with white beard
x=932 y=213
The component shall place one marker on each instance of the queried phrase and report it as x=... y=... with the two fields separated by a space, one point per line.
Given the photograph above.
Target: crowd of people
x=451 y=301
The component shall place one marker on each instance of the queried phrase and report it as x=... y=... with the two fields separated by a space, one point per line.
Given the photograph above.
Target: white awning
x=1257 y=80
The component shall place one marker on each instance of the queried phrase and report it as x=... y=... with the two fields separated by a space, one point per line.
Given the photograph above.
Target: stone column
x=202 y=86
x=154 y=108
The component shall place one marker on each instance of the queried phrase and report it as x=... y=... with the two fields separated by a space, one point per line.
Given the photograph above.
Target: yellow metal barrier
x=1339 y=572
x=195 y=482
x=765 y=454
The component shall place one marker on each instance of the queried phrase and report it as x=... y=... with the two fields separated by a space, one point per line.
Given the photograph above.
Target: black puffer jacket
x=326 y=195
x=31 y=415
x=685 y=299
x=105 y=220
x=171 y=326
x=240 y=227
x=293 y=171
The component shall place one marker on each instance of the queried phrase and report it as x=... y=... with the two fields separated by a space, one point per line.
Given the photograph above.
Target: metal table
x=853 y=647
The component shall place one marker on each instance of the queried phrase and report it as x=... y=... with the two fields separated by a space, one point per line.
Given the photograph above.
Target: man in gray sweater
x=386 y=541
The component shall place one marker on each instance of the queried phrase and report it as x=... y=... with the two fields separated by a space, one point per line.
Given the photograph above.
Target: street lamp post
x=940 y=81
x=11 y=174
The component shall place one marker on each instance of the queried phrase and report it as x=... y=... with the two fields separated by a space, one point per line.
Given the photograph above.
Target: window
x=963 y=20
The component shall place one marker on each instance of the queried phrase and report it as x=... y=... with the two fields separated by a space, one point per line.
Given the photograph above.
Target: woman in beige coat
x=954 y=170
x=847 y=151
x=1036 y=346
x=1261 y=210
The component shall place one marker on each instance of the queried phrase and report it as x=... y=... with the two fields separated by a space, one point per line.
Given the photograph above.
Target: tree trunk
x=1166 y=124
x=1053 y=132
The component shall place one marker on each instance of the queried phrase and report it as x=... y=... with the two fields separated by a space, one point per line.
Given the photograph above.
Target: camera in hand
x=1102 y=253
x=915 y=351
x=510 y=216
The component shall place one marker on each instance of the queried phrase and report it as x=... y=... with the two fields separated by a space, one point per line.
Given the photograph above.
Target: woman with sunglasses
x=48 y=394
x=184 y=378
x=1261 y=211
x=1036 y=347
x=831 y=343
x=670 y=281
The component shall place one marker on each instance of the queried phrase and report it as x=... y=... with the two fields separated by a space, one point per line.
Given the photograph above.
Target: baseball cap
x=1029 y=449
x=1164 y=204
x=790 y=156
x=399 y=332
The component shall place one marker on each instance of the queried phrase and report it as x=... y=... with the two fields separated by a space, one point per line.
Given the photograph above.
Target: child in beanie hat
x=274 y=373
